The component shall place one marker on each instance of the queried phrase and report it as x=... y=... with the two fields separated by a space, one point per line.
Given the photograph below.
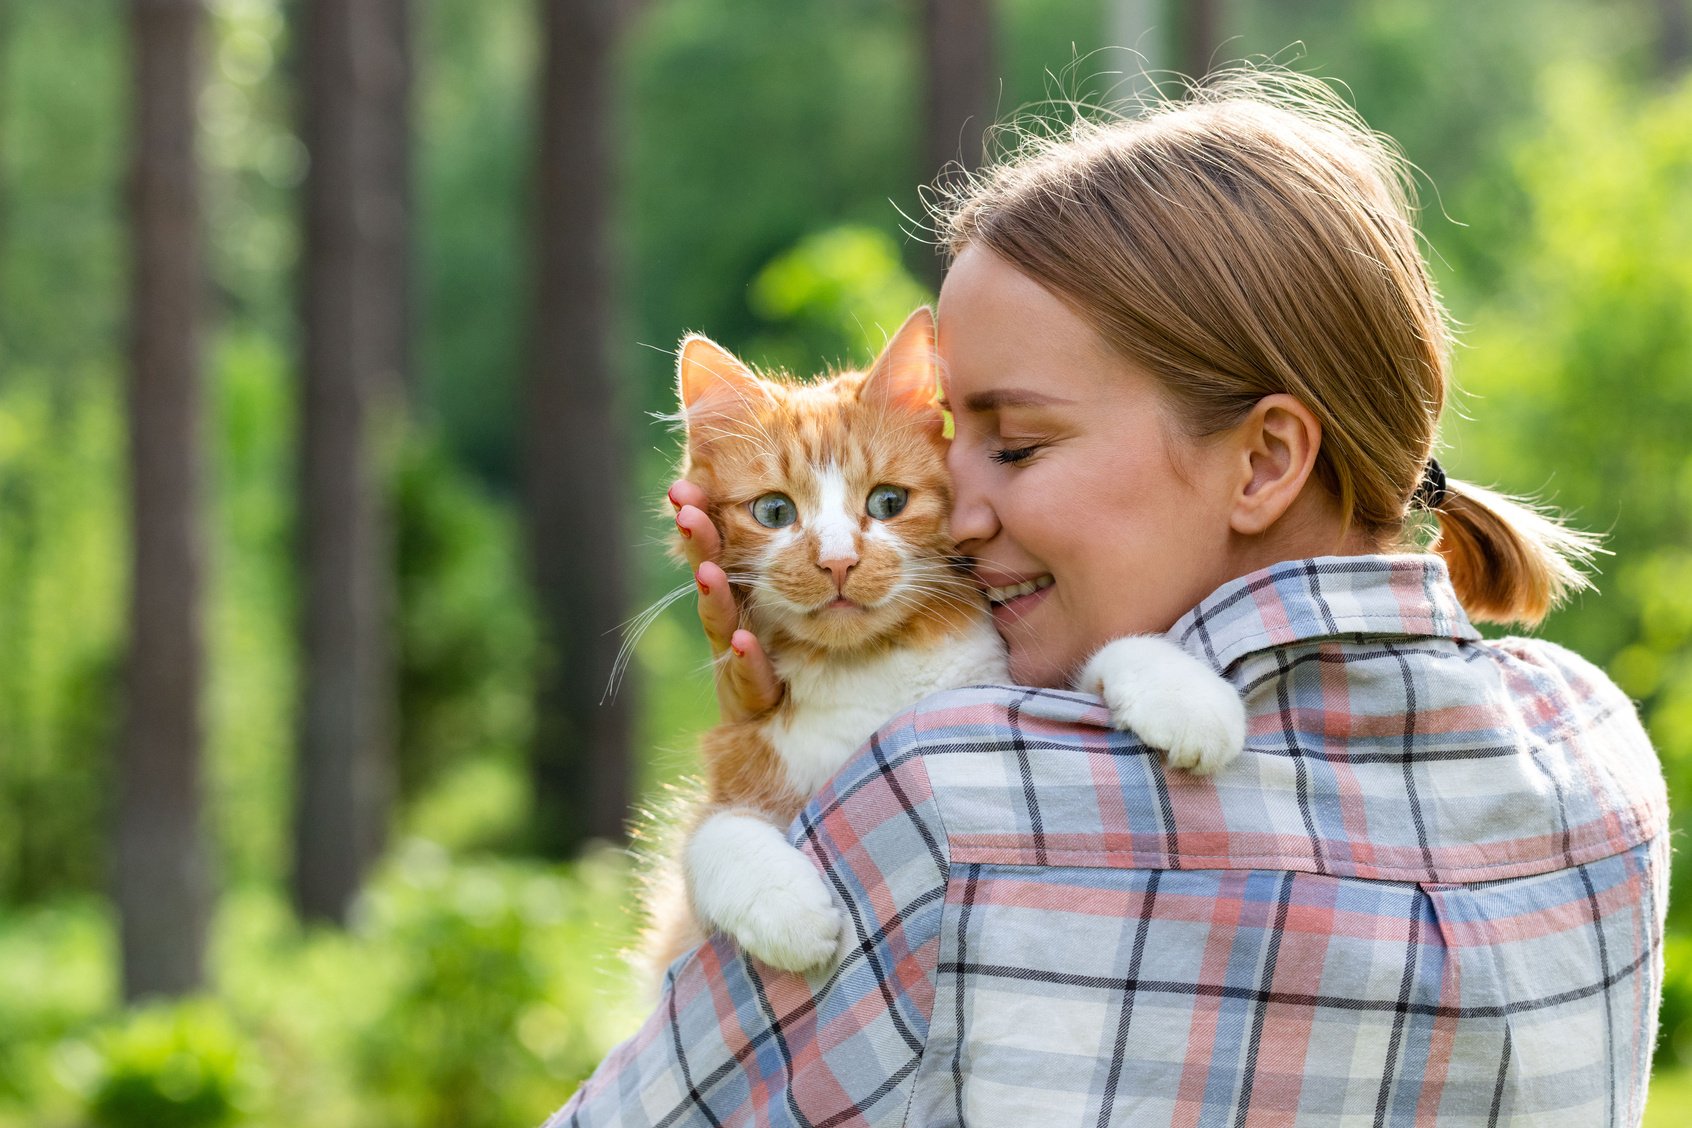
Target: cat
x=832 y=500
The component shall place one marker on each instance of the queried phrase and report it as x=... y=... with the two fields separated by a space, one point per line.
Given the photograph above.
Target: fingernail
x=684 y=530
x=671 y=494
x=704 y=588
x=738 y=653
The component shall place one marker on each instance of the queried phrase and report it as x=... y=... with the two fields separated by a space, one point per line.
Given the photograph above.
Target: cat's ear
x=905 y=374
x=707 y=371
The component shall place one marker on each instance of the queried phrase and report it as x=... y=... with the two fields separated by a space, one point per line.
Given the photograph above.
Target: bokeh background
x=331 y=333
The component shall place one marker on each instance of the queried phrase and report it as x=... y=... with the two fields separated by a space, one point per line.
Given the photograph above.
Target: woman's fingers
x=747 y=686
x=700 y=541
x=717 y=613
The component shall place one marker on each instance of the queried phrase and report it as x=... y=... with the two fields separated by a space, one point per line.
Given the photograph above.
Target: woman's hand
x=747 y=685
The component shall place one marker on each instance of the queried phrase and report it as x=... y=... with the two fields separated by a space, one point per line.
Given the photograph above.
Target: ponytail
x=1509 y=562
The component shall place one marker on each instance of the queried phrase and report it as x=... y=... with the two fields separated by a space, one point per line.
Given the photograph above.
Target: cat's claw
x=1170 y=700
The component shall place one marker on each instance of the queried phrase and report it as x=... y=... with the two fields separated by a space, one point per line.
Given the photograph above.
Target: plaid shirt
x=1430 y=892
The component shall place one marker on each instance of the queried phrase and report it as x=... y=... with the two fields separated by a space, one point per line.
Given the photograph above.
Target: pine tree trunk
x=162 y=880
x=1141 y=27
x=574 y=464
x=1199 y=35
x=1674 y=37
x=354 y=71
x=961 y=89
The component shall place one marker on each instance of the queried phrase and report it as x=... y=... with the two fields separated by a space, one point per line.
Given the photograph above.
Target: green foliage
x=61 y=561
x=1579 y=376
x=469 y=994
x=61 y=114
x=838 y=293
x=473 y=204
x=486 y=998
x=181 y=1065
x=467 y=636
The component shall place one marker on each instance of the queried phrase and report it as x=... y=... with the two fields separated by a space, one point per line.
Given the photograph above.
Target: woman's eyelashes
x=1011 y=455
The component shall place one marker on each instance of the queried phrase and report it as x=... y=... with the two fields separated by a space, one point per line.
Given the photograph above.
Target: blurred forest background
x=329 y=334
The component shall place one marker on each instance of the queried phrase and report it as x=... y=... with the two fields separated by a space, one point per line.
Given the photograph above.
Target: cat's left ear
x=905 y=375
x=707 y=371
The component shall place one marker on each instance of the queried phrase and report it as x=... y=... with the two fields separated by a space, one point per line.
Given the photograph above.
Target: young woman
x=1196 y=365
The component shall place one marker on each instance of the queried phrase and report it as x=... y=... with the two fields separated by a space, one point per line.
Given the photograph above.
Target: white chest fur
x=835 y=708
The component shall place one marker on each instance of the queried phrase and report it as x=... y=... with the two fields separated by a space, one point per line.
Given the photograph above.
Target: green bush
x=183 y=1065
x=467 y=994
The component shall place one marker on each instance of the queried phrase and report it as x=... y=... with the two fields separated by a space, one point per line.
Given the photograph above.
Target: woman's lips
x=1012 y=602
x=1008 y=589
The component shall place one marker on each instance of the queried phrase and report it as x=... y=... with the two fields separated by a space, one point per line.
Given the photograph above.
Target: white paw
x=793 y=927
x=744 y=879
x=1170 y=700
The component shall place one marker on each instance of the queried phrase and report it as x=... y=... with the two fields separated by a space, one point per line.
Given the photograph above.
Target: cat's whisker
x=633 y=630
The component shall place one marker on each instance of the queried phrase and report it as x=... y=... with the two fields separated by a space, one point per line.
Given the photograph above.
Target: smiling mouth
x=1001 y=595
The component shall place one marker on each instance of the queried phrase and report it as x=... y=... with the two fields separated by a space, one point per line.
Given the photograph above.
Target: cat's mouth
x=1001 y=595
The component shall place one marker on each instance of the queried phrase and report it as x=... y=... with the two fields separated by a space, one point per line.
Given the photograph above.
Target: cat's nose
x=838 y=567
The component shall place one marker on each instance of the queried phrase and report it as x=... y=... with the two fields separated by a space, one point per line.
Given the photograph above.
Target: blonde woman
x=1196 y=366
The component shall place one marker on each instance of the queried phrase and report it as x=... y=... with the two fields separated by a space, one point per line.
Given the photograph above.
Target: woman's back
x=1430 y=892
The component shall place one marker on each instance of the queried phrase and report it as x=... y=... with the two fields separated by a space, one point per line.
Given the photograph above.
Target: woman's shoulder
x=1563 y=689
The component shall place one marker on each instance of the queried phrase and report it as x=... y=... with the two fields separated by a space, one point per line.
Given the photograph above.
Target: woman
x=1196 y=364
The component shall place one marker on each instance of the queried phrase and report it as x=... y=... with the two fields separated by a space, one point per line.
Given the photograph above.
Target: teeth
x=1006 y=594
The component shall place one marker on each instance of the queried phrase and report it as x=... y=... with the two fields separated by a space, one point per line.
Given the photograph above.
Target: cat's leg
x=1170 y=700
x=745 y=879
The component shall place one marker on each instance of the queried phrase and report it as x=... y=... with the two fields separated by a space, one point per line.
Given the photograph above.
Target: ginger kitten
x=832 y=499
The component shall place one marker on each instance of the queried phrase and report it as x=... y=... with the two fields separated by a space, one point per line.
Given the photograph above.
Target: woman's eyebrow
x=1000 y=398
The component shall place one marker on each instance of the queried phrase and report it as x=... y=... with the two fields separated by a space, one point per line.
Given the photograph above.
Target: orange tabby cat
x=832 y=499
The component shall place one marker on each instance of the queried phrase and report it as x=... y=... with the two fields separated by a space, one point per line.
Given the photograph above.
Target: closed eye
x=1007 y=456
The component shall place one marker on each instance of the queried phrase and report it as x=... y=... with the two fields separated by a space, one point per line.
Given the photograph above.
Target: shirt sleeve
x=732 y=1037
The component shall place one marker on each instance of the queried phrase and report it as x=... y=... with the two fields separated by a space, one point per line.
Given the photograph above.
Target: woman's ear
x=1277 y=444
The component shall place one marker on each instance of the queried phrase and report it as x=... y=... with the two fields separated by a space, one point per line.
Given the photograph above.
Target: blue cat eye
x=774 y=511
x=887 y=501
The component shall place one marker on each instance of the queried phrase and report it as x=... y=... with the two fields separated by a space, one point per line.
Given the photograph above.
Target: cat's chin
x=842 y=625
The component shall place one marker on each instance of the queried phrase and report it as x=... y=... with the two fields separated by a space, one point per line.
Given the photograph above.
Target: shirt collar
x=1298 y=600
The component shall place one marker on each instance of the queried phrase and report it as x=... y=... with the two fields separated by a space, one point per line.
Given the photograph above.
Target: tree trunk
x=1674 y=37
x=162 y=878
x=1136 y=25
x=574 y=466
x=1199 y=35
x=354 y=122
x=961 y=88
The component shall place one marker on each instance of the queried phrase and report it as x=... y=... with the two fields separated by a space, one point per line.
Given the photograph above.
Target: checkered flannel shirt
x=1430 y=892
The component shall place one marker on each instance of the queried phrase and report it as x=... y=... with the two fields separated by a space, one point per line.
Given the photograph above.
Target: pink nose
x=838 y=567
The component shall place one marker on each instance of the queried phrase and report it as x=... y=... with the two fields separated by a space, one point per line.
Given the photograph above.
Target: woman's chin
x=1031 y=664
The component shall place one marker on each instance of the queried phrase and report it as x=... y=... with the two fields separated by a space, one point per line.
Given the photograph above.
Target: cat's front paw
x=745 y=879
x=794 y=927
x=1170 y=700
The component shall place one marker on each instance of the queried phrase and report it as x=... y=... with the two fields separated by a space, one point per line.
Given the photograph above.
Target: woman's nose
x=973 y=520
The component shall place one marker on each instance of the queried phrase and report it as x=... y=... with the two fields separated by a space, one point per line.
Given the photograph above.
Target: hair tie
x=1430 y=494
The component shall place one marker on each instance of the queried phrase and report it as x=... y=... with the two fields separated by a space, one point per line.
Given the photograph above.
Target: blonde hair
x=1254 y=237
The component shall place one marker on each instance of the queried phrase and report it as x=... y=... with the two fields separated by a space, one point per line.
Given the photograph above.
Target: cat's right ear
x=708 y=373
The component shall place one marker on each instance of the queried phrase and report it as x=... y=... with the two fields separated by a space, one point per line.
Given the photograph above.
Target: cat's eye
x=774 y=511
x=887 y=501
